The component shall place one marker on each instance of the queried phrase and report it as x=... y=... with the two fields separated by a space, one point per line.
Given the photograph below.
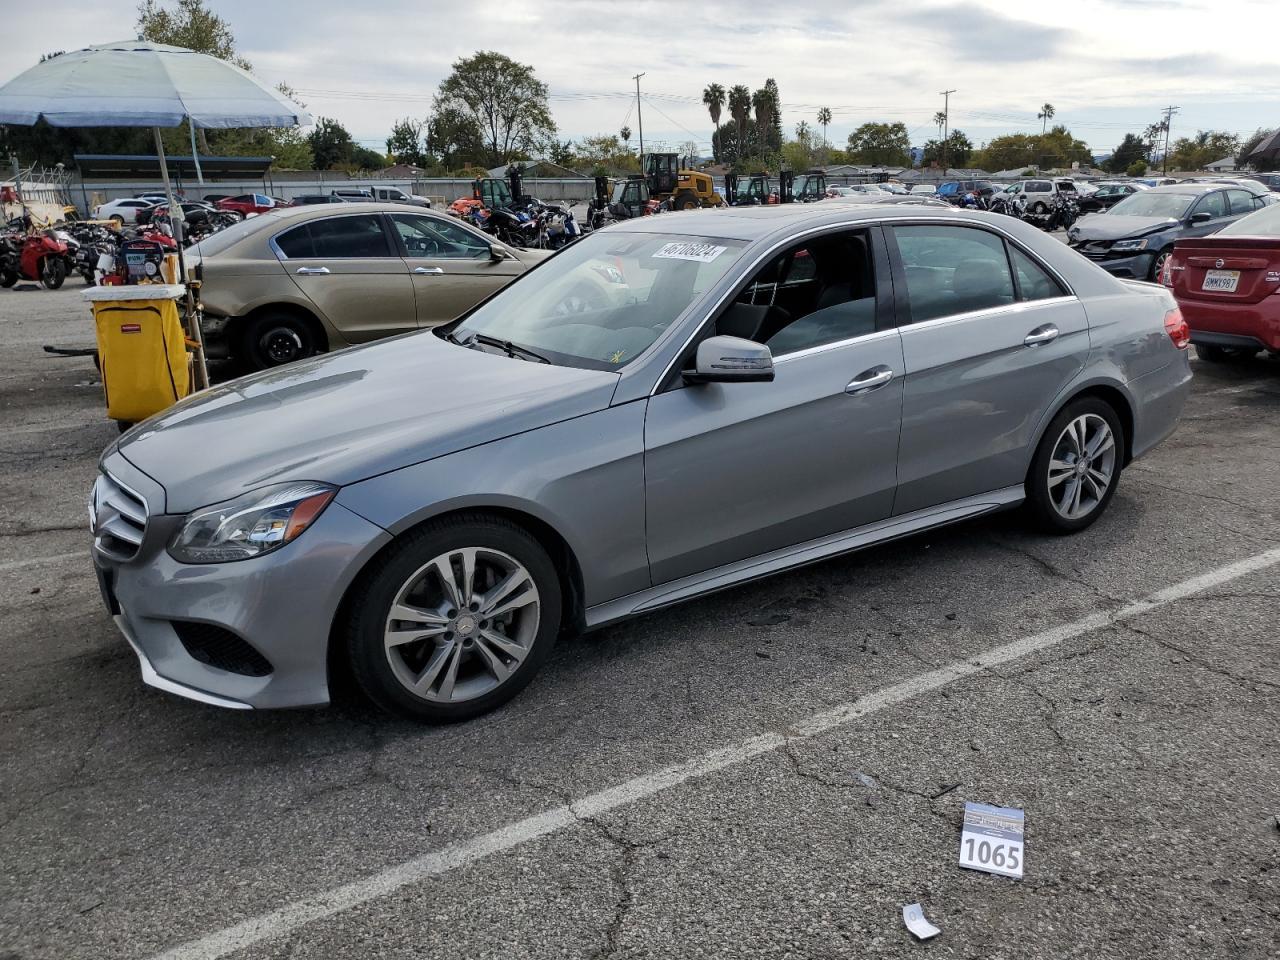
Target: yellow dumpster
x=142 y=351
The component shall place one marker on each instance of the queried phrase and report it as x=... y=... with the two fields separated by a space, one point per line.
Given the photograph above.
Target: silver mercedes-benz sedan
x=670 y=406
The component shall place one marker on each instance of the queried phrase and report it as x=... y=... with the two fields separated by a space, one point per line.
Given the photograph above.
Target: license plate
x=1224 y=281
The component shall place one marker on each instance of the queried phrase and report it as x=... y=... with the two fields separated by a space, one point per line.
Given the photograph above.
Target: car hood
x=1108 y=226
x=352 y=415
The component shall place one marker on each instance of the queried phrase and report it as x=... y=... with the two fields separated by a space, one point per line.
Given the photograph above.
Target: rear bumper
x=1255 y=325
x=1159 y=398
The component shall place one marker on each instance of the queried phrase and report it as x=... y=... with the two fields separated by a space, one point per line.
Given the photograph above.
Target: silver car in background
x=668 y=407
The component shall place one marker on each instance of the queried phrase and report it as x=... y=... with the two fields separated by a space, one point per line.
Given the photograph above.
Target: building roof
x=539 y=167
x=148 y=165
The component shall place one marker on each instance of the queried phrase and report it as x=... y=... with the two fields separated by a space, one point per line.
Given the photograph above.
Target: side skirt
x=812 y=551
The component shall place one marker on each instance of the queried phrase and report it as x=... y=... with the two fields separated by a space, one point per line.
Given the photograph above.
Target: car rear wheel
x=275 y=338
x=1076 y=467
x=455 y=620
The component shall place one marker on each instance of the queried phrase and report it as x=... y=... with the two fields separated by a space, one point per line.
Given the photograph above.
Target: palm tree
x=763 y=104
x=1046 y=114
x=824 y=118
x=625 y=133
x=740 y=109
x=939 y=121
x=713 y=97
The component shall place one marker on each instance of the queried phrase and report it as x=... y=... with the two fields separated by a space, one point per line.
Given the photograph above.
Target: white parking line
x=281 y=921
x=36 y=561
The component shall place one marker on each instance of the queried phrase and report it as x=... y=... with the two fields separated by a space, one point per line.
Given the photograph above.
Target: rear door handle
x=869 y=380
x=1045 y=334
x=312 y=271
x=428 y=271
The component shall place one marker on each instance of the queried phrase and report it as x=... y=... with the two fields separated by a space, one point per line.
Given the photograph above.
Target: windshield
x=602 y=301
x=1171 y=205
x=1264 y=223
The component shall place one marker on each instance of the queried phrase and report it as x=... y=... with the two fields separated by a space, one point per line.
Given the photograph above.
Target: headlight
x=1129 y=245
x=251 y=525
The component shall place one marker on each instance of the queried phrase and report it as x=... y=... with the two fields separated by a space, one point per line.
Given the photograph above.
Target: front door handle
x=312 y=271
x=428 y=271
x=869 y=380
x=1045 y=334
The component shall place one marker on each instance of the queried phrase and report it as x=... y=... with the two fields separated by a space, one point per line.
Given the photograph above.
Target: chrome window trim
x=887 y=221
x=836 y=344
x=1019 y=307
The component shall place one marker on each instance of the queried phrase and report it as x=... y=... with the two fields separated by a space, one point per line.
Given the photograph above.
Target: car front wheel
x=455 y=620
x=1076 y=467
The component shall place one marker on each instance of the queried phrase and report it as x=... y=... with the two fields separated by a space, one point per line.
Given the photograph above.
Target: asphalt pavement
x=770 y=772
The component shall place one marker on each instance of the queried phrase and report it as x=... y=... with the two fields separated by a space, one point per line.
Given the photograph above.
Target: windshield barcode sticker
x=701 y=252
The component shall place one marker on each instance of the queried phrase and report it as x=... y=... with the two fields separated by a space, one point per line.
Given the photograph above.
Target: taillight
x=1175 y=325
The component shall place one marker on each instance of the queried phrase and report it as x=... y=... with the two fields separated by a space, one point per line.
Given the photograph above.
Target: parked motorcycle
x=38 y=256
x=1063 y=213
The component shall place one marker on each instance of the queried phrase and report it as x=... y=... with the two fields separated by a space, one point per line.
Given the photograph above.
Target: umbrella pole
x=193 y=316
x=195 y=153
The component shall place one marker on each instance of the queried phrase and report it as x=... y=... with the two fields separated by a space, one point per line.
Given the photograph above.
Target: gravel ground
x=1140 y=742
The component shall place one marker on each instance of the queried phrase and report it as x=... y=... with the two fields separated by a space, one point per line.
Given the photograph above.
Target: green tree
x=713 y=97
x=955 y=151
x=940 y=121
x=1137 y=168
x=405 y=145
x=331 y=145
x=773 y=136
x=1207 y=146
x=763 y=105
x=604 y=154
x=504 y=99
x=1251 y=144
x=881 y=144
x=362 y=158
x=1131 y=149
x=455 y=138
x=561 y=152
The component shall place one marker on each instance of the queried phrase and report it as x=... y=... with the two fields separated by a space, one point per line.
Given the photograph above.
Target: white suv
x=1039 y=193
x=124 y=211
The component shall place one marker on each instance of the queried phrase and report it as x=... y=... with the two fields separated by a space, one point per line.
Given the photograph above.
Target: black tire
x=53 y=272
x=379 y=586
x=1040 y=496
x=1215 y=354
x=1157 y=265
x=118 y=219
x=8 y=278
x=1039 y=208
x=274 y=338
x=687 y=201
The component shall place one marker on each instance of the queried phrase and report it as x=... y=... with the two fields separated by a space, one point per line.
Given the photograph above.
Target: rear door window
x=1240 y=202
x=951 y=270
x=296 y=243
x=341 y=238
x=1034 y=281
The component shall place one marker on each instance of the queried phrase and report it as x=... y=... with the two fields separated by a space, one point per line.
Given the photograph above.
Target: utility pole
x=946 y=125
x=1168 y=122
x=639 y=119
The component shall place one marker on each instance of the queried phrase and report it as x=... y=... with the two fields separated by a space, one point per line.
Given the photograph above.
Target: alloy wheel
x=1082 y=467
x=462 y=625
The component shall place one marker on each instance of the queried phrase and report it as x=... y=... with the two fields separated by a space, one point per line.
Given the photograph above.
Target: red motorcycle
x=38 y=256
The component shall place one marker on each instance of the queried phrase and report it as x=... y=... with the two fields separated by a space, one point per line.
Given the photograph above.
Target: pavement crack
x=1201 y=661
x=1051 y=569
x=622 y=872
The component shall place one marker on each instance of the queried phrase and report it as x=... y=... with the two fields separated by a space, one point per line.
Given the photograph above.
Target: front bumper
x=1135 y=266
x=282 y=604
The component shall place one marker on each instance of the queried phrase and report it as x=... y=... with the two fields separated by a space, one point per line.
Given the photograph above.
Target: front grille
x=118 y=518
x=219 y=647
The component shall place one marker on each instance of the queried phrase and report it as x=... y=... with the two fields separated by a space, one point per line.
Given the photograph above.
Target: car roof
x=291 y=214
x=1189 y=188
x=755 y=223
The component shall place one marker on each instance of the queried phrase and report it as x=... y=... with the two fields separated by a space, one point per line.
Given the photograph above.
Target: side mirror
x=1201 y=217
x=496 y=253
x=725 y=359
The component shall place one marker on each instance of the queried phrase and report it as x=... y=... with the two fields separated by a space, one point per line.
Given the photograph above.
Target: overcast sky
x=1109 y=66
